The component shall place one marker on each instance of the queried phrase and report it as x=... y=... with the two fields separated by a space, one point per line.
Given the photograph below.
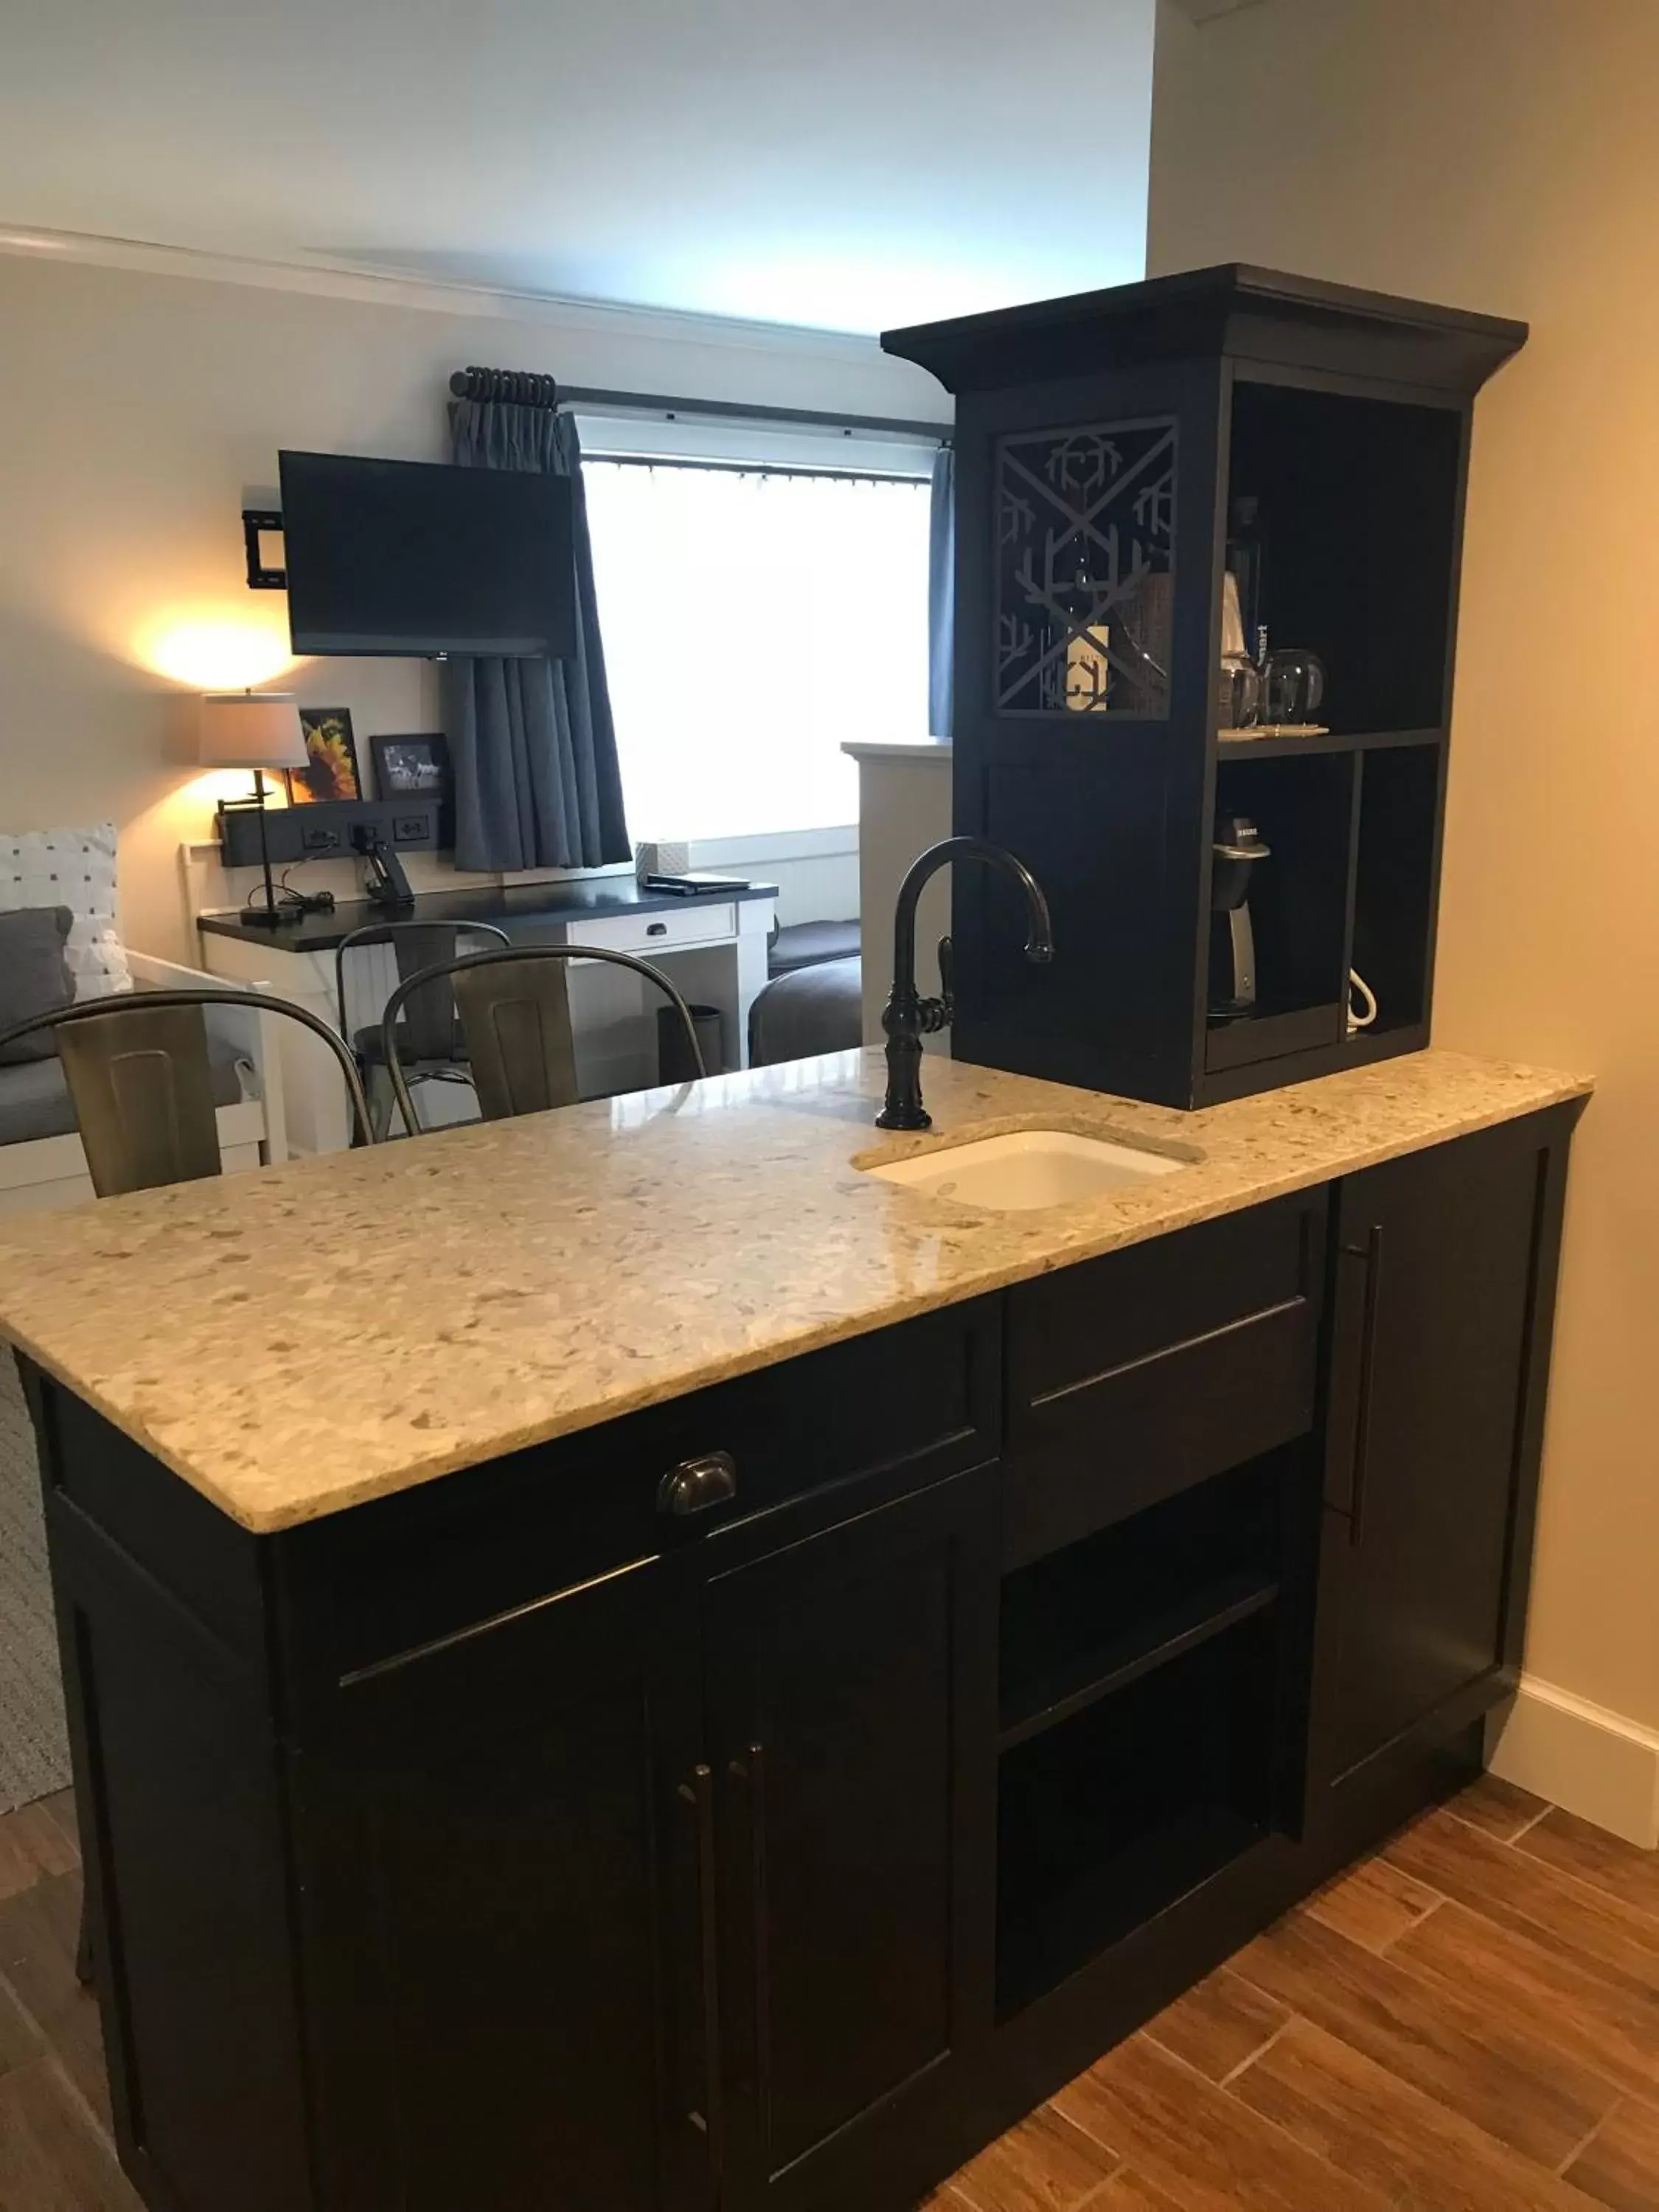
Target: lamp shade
x=251 y=729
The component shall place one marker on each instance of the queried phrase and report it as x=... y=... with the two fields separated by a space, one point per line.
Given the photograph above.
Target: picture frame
x=331 y=770
x=411 y=766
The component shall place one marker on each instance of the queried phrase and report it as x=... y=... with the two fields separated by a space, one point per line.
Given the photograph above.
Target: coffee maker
x=1235 y=853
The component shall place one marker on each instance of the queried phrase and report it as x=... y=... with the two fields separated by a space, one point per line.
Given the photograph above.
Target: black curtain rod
x=656 y=403
x=527 y=390
x=747 y=468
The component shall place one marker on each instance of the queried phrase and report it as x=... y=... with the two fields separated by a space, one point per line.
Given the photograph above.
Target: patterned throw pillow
x=74 y=868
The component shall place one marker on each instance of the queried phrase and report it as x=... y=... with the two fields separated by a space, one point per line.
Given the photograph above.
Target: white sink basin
x=1027 y=1170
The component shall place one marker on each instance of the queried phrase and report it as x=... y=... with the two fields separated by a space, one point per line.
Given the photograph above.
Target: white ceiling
x=850 y=165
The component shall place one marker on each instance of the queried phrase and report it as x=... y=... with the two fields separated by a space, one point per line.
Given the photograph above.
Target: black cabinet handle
x=696 y=1485
x=1371 y=1252
x=699 y=1795
x=751 y=1772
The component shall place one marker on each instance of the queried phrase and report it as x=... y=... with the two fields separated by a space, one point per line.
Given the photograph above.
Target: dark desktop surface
x=527 y=904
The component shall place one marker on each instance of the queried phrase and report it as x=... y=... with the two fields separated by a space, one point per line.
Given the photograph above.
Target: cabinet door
x=510 y=2018
x=1443 y=1277
x=852 y=1726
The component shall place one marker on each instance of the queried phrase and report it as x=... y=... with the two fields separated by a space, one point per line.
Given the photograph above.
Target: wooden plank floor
x=1467 y=2022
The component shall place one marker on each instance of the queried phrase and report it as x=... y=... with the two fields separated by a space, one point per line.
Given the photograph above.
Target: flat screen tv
x=407 y=557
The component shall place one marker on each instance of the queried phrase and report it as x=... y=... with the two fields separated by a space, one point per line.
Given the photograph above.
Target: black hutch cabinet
x=1119 y=454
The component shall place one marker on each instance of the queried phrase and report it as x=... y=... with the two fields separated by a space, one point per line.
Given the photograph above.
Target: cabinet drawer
x=405 y=1571
x=644 y=934
x=1139 y=1374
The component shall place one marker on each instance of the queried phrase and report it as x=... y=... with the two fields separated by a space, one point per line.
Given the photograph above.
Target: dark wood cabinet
x=1443 y=1270
x=525 y=1833
x=661 y=1885
x=1117 y=454
x=852 y=1722
x=523 y=1839
x=493 y=1861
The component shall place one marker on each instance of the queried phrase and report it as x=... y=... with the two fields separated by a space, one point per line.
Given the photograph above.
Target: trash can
x=674 y=1062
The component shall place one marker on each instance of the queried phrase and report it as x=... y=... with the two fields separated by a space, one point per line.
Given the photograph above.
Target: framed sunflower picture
x=331 y=768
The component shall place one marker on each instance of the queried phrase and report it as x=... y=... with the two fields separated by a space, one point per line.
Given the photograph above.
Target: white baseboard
x=1590 y=1761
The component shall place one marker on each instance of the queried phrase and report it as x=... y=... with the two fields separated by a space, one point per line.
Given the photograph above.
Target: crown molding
x=339 y=280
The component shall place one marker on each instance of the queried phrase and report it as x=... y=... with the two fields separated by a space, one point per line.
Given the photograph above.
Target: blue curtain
x=531 y=742
x=942 y=593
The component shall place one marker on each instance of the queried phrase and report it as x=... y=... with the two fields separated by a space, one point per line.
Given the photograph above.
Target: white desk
x=714 y=948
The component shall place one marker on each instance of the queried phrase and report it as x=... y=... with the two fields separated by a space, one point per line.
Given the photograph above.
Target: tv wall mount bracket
x=255 y=519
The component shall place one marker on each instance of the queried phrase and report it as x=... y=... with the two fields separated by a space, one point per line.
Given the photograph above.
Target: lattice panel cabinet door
x=1085 y=570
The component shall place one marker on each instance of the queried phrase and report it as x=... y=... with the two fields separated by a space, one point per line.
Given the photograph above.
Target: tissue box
x=661 y=860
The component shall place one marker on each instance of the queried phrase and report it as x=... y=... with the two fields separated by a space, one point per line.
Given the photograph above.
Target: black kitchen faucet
x=908 y=1018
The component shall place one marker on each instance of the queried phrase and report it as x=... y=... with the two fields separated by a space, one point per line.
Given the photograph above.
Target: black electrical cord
x=255 y=901
x=316 y=902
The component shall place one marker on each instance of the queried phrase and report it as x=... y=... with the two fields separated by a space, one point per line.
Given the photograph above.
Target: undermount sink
x=1028 y=1168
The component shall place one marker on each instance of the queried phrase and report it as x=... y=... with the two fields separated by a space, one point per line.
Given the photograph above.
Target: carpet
x=34 y=1749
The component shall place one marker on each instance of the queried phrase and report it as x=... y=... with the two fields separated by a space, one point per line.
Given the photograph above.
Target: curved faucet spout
x=908 y=1018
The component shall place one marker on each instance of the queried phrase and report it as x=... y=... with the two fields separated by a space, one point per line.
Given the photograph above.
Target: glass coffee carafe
x=1292 y=685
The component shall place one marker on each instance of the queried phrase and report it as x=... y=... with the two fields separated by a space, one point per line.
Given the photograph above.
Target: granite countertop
x=297 y=1340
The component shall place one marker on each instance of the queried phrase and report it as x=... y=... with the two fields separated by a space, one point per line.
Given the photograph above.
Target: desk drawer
x=1139 y=1374
x=646 y=933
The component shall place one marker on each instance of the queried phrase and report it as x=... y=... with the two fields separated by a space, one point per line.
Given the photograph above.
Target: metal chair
x=141 y=1083
x=516 y=1013
x=140 y=1079
x=432 y=1047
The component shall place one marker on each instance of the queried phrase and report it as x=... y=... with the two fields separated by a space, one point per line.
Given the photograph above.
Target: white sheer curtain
x=751 y=623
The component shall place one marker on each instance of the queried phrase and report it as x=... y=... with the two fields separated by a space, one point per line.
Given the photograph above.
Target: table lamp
x=257 y=730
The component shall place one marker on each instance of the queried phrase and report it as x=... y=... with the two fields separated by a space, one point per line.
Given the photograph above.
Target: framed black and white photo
x=411 y=766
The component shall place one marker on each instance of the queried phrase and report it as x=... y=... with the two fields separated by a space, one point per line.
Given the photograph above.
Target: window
x=753 y=621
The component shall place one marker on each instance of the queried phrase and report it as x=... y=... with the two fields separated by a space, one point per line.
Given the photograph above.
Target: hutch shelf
x=1119 y=454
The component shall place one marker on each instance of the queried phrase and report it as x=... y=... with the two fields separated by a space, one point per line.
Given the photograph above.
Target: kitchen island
x=616 y=1660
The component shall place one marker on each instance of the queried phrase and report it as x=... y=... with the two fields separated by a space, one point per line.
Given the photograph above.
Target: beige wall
x=139 y=404
x=1503 y=155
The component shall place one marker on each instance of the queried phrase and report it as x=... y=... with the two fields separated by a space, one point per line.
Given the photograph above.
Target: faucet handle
x=947 y=980
x=937 y=1014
